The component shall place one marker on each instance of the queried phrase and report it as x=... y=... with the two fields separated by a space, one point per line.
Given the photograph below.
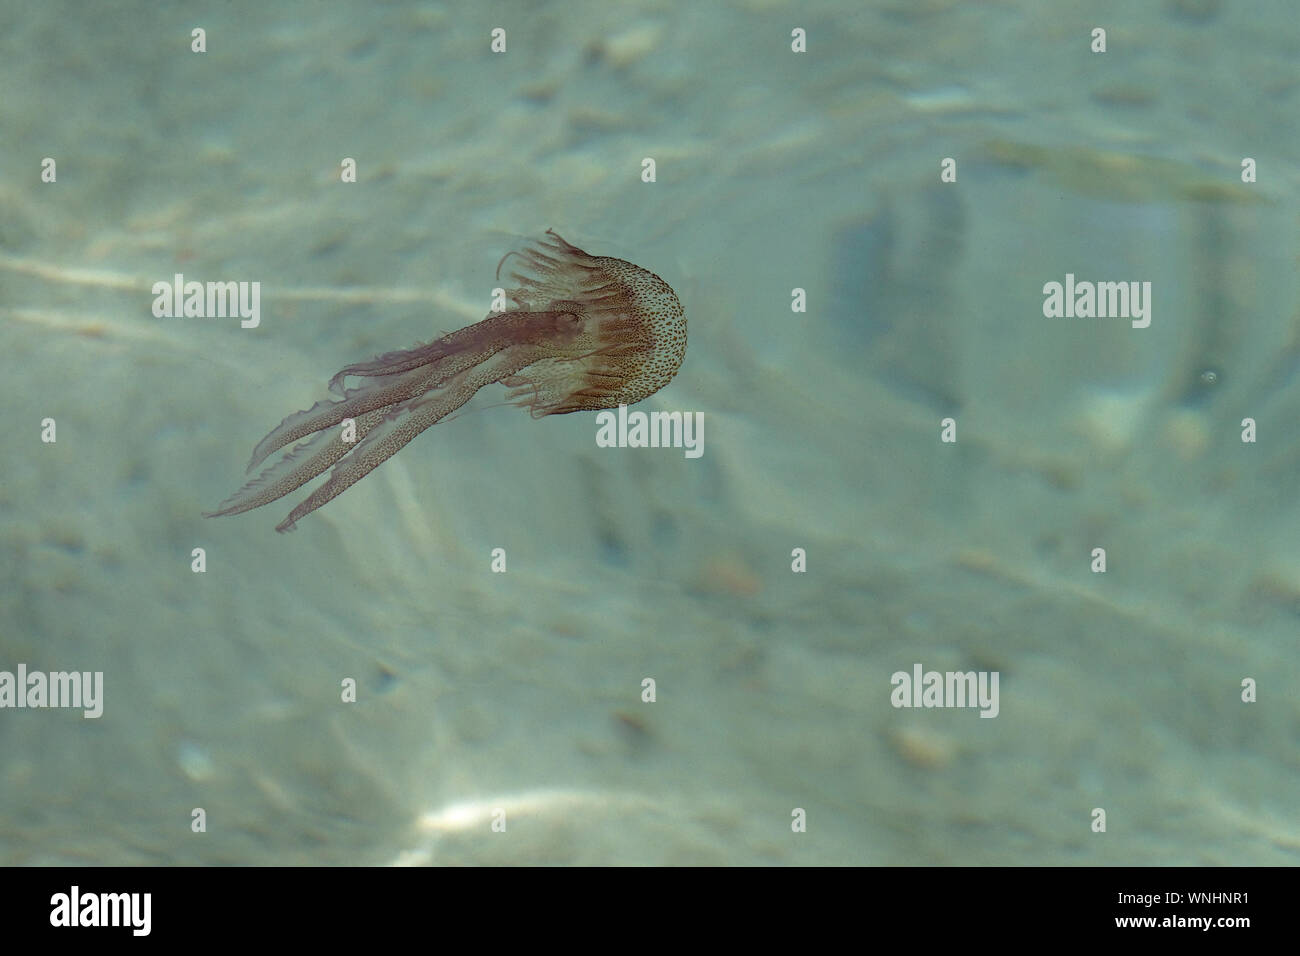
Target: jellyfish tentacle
x=409 y=374
x=401 y=424
x=355 y=403
x=297 y=467
x=483 y=338
x=588 y=332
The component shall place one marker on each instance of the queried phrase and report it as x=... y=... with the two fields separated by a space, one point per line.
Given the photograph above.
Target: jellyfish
x=585 y=332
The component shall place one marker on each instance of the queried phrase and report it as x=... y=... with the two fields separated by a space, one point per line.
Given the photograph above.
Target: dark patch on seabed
x=892 y=299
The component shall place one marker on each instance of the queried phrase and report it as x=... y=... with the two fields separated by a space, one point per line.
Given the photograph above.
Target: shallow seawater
x=374 y=688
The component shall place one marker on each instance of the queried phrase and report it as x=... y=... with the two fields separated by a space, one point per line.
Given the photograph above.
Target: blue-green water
x=483 y=696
